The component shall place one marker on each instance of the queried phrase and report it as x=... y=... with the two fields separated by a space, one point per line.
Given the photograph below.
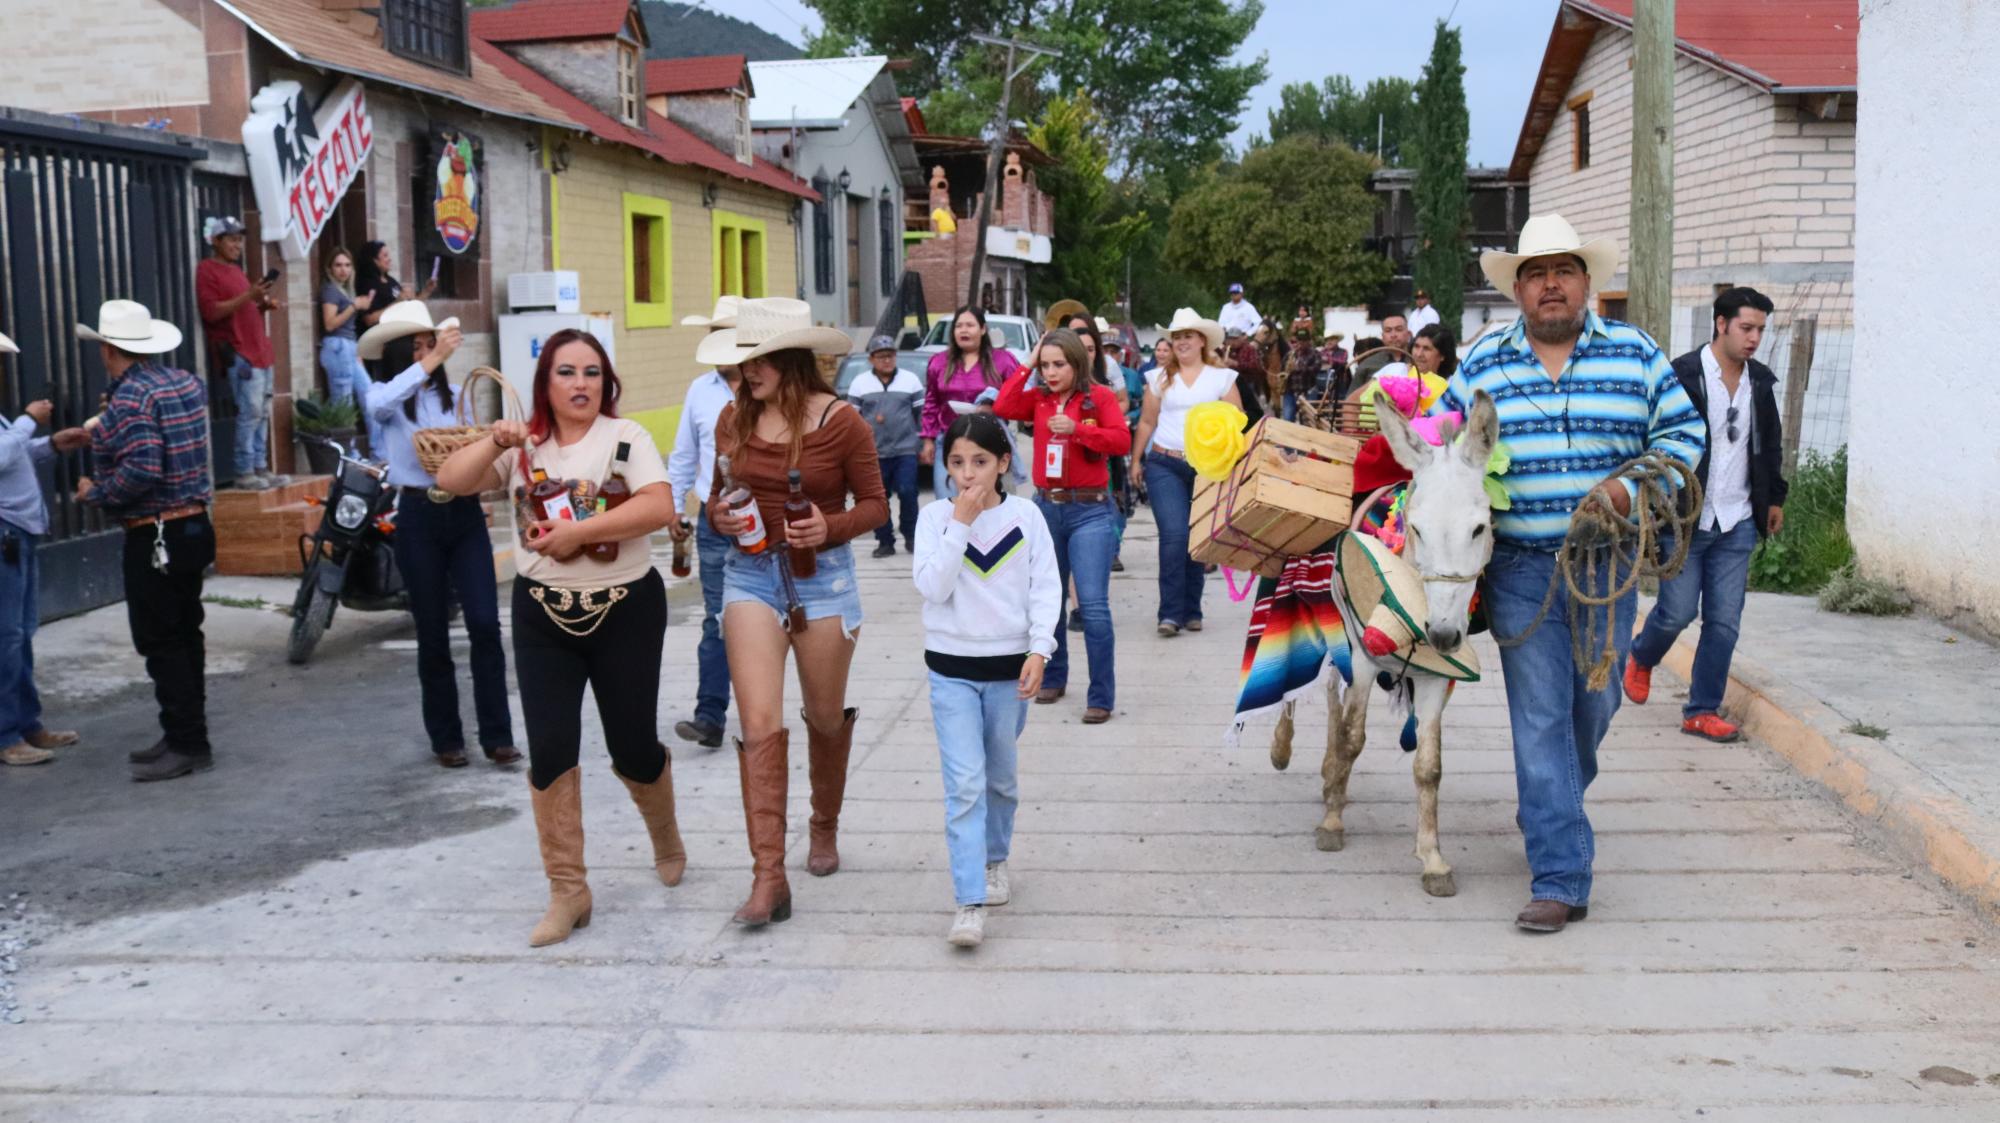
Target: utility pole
x=999 y=149
x=1650 y=273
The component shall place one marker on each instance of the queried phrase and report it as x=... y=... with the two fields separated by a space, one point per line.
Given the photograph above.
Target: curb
x=1914 y=814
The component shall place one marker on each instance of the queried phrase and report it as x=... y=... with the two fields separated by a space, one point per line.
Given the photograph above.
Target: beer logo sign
x=455 y=208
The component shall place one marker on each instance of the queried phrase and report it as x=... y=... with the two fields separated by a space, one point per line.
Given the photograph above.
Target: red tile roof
x=543 y=20
x=1779 y=44
x=661 y=137
x=697 y=75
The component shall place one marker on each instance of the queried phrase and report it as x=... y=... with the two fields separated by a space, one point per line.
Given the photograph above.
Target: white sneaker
x=998 y=892
x=968 y=929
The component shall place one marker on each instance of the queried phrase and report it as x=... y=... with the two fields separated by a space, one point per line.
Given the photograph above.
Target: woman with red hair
x=589 y=608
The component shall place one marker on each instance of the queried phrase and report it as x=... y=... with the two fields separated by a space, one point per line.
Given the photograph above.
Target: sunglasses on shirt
x=1729 y=419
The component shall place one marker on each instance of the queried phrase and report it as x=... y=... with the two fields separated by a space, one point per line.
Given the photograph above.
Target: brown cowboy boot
x=656 y=805
x=761 y=765
x=559 y=823
x=826 y=756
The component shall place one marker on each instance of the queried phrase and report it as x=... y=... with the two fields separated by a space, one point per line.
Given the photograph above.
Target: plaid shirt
x=151 y=445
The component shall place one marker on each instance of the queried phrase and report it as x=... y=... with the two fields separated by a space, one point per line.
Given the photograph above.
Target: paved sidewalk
x=1176 y=948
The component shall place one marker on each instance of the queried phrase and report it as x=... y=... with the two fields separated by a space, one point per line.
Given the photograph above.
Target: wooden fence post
x=1798 y=374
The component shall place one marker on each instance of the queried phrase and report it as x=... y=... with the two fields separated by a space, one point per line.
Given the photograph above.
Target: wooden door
x=853 y=261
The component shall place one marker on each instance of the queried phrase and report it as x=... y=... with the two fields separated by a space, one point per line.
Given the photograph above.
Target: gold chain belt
x=577 y=611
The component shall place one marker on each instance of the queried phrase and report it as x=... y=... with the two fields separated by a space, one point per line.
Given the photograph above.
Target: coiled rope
x=1600 y=542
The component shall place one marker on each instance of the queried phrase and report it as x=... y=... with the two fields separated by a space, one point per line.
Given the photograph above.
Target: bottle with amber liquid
x=742 y=505
x=798 y=509
x=548 y=500
x=613 y=492
x=682 y=565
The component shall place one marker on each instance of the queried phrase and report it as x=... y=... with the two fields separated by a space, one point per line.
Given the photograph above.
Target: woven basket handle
x=507 y=396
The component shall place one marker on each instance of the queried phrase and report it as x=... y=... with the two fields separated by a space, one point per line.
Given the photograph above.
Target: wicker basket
x=435 y=446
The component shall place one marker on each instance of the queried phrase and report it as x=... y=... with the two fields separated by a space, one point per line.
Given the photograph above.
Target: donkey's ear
x=1482 y=431
x=1410 y=450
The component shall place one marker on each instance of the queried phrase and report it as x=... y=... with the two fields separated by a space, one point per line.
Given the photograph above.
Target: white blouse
x=1177 y=397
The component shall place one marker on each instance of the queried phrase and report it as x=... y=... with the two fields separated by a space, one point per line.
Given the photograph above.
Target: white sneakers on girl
x=997 y=890
x=968 y=930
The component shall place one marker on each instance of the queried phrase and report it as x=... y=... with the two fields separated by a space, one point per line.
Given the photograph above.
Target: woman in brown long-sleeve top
x=787 y=418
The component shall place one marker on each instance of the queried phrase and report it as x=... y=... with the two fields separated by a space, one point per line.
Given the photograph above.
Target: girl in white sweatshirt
x=986 y=567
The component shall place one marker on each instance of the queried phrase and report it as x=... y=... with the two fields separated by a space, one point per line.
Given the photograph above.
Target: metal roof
x=1800 y=45
x=810 y=92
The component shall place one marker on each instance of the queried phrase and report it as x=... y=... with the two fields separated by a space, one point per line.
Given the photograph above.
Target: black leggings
x=620 y=659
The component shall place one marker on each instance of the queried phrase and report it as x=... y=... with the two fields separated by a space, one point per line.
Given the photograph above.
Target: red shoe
x=1638 y=682
x=1712 y=727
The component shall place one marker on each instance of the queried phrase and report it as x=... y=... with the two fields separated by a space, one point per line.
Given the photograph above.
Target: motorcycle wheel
x=309 y=624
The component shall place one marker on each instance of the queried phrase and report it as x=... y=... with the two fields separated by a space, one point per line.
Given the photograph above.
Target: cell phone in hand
x=270 y=275
x=435 y=262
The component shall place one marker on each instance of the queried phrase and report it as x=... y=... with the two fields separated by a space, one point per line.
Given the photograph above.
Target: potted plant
x=316 y=417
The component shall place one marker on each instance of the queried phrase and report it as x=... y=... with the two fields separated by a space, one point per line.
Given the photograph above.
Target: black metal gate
x=85 y=216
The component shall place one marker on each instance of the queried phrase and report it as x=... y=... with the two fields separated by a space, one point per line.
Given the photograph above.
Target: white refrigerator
x=522 y=335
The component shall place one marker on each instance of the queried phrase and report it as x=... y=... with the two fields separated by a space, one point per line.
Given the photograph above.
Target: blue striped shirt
x=1616 y=398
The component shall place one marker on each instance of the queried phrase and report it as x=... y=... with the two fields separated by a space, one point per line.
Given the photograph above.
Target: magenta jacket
x=961 y=385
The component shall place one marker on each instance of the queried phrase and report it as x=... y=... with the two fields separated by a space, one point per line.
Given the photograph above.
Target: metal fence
x=1809 y=344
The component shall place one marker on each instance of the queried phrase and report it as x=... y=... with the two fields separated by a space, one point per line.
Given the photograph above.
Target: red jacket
x=1100 y=430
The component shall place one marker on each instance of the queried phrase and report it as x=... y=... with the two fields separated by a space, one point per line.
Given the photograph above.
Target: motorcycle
x=350 y=560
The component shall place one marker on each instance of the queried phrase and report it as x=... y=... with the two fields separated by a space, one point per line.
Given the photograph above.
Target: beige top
x=590 y=459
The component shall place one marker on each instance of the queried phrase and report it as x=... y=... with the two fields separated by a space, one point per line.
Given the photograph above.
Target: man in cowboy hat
x=232 y=312
x=150 y=446
x=24 y=517
x=1578 y=395
x=690 y=470
x=891 y=400
x=1238 y=314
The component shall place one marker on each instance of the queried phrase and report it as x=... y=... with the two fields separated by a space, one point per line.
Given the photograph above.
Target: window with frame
x=739 y=255
x=1579 y=121
x=743 y=152
x=887 y=218
x=648 y=262
x=822 y=238
x=629 y=98
x=428 y=31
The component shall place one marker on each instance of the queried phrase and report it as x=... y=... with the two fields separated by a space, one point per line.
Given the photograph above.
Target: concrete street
x=329 y=927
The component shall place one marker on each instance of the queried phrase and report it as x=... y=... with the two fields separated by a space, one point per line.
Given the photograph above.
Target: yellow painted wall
x=657 y=363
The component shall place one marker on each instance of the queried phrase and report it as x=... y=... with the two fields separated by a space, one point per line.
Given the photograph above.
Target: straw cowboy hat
x=128 y=326
x=1060 y=311
x=1547 y=234
x=1388 y=599
x=724 y=315
x=1187 y=319
x=767 y=324
x=7 y=346
x=405 y=317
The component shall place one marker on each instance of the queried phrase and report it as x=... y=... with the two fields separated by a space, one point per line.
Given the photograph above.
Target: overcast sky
x=1306 y=40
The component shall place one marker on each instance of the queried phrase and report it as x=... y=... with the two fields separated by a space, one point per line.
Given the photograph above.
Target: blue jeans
x=20 y=705
x=711 y=691
x=1715 y=579
x=941 y=485
x=1084 y=543
x=1289 y=407
x=1557 y=720
x=441 y=548
x=899 y=478
x=1170 y=487
x=347 y=380
x=977 y=726
x=252 y=390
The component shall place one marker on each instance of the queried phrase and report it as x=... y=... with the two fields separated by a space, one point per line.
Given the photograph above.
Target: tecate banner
x=300 y=163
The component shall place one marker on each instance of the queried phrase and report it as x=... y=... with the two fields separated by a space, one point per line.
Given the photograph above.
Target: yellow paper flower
x=1433 y=390
x=1215 y=440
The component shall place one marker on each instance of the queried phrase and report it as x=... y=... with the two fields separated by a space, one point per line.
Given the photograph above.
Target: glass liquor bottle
x=613 y=492
x=548 y=500
x=683 y=566
x=743 y=505
x=798 y=509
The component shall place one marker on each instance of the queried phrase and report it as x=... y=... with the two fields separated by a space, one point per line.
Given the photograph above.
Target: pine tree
x=1442 y=129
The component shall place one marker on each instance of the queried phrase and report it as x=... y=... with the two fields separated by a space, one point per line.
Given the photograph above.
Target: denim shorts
x=753 y=579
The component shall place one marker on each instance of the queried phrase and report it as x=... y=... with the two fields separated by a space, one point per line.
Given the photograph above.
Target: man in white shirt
x=1237 y=313
x=690 y=472
x=1423 y=315
x=1742 y=499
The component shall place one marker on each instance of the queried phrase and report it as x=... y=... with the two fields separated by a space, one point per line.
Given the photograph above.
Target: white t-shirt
x=1726 y=499
x=1241 y=315
x=590 y=460
x=1419 y=318
x=1177 y=397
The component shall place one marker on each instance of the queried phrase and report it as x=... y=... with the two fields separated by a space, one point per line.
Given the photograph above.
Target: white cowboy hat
x=767 y=324
x=405 y=317
x=1547 y=234
x=724 y=315
x=7 y=346
x=1187 y=319
x=128 y=326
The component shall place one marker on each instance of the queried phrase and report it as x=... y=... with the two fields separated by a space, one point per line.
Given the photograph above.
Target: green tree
x=1160 y=73
x=1334 y=110
x=1090 y=240
x=1288 y=223
x=1440 y=140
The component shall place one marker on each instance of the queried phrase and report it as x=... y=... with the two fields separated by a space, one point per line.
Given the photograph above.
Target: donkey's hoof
x=1281 y=760
x=1329 y=840
x=1440 y=884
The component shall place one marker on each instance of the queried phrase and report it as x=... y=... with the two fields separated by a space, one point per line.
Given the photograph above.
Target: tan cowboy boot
x=761 y=765
x=559 y=823
x=826 y=756
x=656 y=805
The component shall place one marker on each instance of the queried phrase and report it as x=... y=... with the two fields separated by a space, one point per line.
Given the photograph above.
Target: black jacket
x=1767 y=446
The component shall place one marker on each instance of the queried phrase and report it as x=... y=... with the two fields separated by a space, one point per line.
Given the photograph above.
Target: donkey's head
x=1449 y=518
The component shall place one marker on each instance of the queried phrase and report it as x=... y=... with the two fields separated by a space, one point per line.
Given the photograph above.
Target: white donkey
x=1450 y=540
